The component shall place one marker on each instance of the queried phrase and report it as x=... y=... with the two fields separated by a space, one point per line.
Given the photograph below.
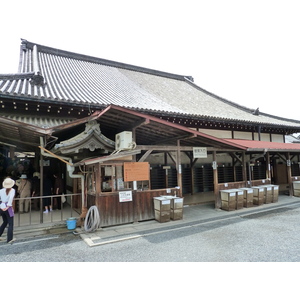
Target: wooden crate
x=162 y=216
x=162 y=203
x=296 y=193
x=248 y=197
x=296 y=185
x=176 y=214
x=232 y=199
x=177 y=203
x=228 y=195
x=228 y=205
x=258 y=195
x=274 y=192
x=268 y=193
x=296 y=188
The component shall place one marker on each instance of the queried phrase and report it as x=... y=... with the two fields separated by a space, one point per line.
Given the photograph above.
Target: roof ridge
x=55 y=51
x=13 y=76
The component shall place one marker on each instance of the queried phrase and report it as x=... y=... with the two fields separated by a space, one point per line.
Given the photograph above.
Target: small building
x=123 y=134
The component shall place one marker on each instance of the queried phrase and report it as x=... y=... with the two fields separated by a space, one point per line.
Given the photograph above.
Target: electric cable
x=92 y=219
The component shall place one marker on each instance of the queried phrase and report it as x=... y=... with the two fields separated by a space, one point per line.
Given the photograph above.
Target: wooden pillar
x=216 y=186
x=166 y=170
x=11 y=152
x=289 y=173
x=268 y=171
x=179 y=168
x=193 y=162
x=244 y=168
x=41 y=159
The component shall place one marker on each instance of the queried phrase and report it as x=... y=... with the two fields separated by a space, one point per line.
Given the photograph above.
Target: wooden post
x=178 y=167
x=216 y=186
x=193 y=162
x=244 y=168
x=268 y=171
x=41 y=185
x=289 y=173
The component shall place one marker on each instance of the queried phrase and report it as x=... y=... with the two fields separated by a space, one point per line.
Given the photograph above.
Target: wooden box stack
x=162 y=209
x=232 y=199
x=248 y=197
x=296 y=188
x=275 y=193
x=228 y=200
x=258 y=195
x=176 y=208
x=268 y=193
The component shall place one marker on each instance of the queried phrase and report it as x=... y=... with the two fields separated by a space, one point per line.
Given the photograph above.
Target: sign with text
x=136 y=171
x=125 y=196
x=200 y=152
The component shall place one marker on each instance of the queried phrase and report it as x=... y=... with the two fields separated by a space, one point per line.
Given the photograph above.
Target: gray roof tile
x=55 y=75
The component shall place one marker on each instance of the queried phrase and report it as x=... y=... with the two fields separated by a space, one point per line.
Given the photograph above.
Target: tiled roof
x=54 y=75
x=264 y=145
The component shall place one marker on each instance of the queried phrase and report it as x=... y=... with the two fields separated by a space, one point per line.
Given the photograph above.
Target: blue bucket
x=71 y=223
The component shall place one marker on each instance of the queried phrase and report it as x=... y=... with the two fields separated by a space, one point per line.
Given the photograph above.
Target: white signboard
x=200 y=152
x=125 y=196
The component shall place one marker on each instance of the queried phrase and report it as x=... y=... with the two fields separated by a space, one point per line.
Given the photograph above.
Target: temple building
x=108 y=127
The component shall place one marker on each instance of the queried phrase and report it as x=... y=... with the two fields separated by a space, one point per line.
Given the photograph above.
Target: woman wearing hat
x=7 y=194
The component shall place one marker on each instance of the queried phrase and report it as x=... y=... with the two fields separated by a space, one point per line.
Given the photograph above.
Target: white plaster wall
x=277 y=138
x=243 y=135
x=265 y=137
x=225 y=134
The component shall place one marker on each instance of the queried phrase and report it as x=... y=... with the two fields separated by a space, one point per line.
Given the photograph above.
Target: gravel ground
x=262 y=237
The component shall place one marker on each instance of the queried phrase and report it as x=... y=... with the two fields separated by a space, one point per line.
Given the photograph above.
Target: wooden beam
x=174 y=161
x=182 y=148
x=145 y=156
x=56 y=156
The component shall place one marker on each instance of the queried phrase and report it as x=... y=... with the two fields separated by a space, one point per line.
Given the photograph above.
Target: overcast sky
x=244 y=51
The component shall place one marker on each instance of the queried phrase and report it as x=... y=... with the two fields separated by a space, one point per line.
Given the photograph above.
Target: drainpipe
x=70 y=167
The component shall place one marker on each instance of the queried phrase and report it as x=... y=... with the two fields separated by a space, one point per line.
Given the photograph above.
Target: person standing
x=24 y=190
x=36 y=187
x=58 y=189
x=7 y=194
x=47 y=191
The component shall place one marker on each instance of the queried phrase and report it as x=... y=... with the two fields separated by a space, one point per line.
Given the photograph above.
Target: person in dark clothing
x=47 y=191
x=58 y=189
x=35 y=185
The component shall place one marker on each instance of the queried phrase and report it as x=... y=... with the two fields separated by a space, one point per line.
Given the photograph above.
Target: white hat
x=8 y=183
x=23 y=176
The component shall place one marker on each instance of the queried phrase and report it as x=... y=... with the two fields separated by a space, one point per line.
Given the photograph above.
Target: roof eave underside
x=150 y=130
x=21 y=135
